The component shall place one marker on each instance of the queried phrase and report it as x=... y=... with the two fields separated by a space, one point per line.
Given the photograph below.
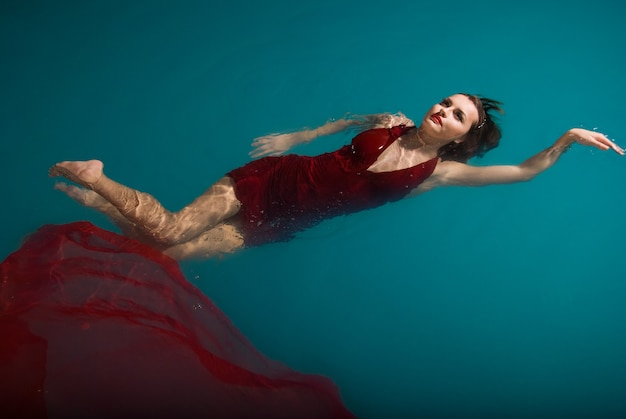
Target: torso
x=282 y=195
x=399 y=156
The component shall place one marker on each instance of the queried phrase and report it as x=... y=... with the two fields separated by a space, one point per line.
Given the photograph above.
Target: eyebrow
x=459 y=109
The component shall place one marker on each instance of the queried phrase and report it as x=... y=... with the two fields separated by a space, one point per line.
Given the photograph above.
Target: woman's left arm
x=454 y=173
x=277 y=144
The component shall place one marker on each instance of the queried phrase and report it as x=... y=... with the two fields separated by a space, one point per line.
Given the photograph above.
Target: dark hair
x=482 y=136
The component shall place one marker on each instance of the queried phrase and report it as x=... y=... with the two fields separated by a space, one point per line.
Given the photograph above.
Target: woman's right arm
x=277 y=144
x=450 y=173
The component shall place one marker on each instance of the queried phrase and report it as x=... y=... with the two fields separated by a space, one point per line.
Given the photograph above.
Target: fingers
x=611 y=145
x=257 y=153
x=604 y=144
x=619 y=150
x=260 y=147
x=264 y=150
x=595 y=139
x=269 y=145
x=261 y=150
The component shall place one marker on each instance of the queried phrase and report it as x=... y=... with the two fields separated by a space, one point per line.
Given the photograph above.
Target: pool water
x=505 y=301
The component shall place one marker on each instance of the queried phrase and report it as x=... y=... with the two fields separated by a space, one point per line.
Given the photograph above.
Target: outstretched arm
x=454 y=173
x=276 y=144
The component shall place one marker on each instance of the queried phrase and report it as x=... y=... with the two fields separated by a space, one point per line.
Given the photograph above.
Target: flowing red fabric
x=95 y=325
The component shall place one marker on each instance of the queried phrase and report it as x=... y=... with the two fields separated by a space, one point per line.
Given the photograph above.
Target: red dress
x=283 y=195
x=96 y=325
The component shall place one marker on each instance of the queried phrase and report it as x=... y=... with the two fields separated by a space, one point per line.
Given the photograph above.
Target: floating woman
x=272 y=198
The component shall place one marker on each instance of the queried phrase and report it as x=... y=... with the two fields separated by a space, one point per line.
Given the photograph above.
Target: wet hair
x=483 y=135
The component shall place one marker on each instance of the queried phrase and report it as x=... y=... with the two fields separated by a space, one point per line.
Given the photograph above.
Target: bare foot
x=85 y=173
x=83 y=196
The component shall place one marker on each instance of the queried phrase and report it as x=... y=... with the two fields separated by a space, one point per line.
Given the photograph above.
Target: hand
x=594 y=139
x=277 y=144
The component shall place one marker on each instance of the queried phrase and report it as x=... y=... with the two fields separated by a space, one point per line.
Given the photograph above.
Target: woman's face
x=450 y=119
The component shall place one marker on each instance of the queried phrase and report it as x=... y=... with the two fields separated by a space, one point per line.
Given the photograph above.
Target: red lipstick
x=437 y=119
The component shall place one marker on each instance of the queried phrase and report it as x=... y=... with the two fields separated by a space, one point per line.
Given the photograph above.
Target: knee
x=169 y=237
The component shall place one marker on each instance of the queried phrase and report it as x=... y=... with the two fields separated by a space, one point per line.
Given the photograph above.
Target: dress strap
x=367 y=146
x=396 y=132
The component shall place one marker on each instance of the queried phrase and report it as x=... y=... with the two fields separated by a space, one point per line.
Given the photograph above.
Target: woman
x=271 y=198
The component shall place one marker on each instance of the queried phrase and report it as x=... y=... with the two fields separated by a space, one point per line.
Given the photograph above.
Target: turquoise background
x=505 y=301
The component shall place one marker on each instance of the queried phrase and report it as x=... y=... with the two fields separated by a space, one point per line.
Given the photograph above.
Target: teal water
x=506 y=301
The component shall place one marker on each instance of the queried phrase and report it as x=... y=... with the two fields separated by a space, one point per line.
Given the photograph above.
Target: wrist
x=309 y=135
x=561 y=148
x=564 y=143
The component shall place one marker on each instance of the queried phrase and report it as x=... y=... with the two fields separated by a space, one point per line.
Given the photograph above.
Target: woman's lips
x=437 y=119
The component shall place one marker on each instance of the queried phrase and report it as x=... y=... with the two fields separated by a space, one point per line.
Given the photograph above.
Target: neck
x=425 y=143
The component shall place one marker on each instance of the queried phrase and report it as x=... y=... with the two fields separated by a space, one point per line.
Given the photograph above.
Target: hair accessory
x=482 y=124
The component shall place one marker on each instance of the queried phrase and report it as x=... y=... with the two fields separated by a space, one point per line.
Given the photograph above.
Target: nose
x=442 y=113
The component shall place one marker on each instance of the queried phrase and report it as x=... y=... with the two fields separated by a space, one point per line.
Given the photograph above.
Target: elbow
x=526 y=175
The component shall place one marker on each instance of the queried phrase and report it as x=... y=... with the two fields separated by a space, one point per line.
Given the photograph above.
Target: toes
x=61 y=186
x=64 y=187
x=54 y=171
x=74 y=192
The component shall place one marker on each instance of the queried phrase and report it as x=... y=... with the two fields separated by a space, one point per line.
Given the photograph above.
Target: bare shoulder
x=448 y=172
x=440 y=177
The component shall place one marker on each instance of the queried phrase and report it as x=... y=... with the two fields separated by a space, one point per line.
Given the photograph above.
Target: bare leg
x=92 y=200
x=147 y=215
x=221 y=239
